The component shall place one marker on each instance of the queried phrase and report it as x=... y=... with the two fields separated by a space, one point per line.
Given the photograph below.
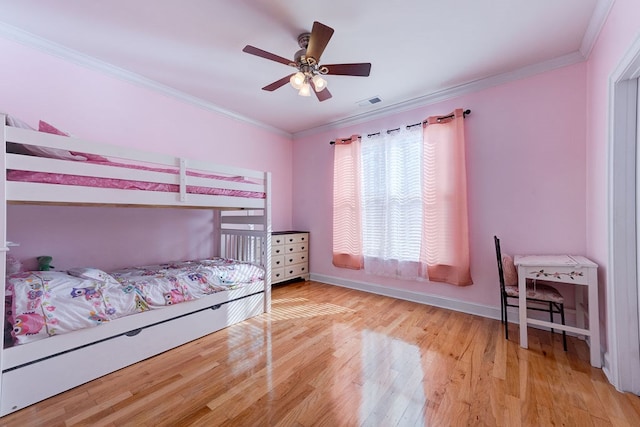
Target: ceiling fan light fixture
x=305 y=90
x=297 y=80
x=319 y=83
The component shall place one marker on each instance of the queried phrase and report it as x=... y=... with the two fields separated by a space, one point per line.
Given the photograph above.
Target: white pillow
x=13 y=265
x=17 y=123
x=12 y=147
x=90 y=274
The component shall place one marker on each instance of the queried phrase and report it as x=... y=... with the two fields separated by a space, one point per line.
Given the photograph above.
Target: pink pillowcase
x=52 y=153
x=46 y=127
x=509 y=271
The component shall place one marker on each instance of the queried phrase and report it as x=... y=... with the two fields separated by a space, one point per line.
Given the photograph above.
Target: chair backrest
x=499 y=259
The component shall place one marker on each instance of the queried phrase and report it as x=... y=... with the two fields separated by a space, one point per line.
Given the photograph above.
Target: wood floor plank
x=332 y=356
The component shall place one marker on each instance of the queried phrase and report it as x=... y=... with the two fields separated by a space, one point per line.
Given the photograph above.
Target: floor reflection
x=392 y=392
x=294 y=308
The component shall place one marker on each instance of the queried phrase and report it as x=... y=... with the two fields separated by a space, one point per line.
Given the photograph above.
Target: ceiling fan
x=307 y=62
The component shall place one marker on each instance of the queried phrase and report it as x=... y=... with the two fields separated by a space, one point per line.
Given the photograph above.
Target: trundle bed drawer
x=41 y=379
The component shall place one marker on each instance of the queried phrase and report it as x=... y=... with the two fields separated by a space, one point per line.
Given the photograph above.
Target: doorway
x=622 y=365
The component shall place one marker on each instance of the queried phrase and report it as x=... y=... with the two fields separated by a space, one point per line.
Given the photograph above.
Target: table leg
x=522 y=307
x=594 y=319
x=580 y=307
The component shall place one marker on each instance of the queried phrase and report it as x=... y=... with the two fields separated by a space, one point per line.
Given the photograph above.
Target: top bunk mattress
x=49 y=166
x=127 y=184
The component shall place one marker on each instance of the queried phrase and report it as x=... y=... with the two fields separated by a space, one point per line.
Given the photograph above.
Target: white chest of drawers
x=289 y=256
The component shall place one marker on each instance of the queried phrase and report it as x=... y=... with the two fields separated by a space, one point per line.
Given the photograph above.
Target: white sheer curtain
x=392 y=203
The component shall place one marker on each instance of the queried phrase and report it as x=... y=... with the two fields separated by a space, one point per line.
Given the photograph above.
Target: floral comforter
x=46 y=303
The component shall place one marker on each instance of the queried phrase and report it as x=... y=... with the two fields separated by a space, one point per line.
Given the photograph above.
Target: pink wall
x=108 y=237
x=96 y=106
x=526 y=174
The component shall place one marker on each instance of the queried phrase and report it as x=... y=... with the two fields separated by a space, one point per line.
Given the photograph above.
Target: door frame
x=623 y=328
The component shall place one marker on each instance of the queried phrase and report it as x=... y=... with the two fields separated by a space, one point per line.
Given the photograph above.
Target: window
x=400 y=202
x=391 y=198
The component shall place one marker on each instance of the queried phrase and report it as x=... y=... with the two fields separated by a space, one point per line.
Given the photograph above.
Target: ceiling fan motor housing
x=303 y=40
x=306 y=64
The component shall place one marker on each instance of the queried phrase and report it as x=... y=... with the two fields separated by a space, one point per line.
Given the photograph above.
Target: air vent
x=370 y=101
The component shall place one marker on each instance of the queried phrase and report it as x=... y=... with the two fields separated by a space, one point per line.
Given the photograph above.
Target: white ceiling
x=417 y=48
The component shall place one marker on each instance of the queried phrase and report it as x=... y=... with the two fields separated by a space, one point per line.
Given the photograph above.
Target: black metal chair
x=543 y=296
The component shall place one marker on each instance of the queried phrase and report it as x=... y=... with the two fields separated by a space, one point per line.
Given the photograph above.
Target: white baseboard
x=491 y=312
x=434 y=300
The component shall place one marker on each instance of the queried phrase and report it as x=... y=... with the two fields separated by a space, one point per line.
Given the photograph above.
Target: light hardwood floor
x=328 y=356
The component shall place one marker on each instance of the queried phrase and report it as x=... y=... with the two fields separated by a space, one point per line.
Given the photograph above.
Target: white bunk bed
x=35 y=371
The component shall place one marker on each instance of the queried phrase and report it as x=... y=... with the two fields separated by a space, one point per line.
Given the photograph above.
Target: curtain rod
x=342 y=140
x=465 y=113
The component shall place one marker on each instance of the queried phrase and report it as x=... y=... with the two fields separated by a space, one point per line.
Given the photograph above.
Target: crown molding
x=596 y=23
x=598 y=19
x=31 y=40
x=449 y=93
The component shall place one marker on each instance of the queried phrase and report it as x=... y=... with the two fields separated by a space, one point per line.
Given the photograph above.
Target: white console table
x=572 y=269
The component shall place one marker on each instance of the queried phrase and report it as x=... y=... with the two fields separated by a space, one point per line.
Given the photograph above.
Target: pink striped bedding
x=69 y=179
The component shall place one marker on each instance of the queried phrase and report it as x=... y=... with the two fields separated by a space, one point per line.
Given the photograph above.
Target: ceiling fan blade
x=360 y=70
x=320 y=36
x=266 y=55
x=323 y=95
x=277 y=84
